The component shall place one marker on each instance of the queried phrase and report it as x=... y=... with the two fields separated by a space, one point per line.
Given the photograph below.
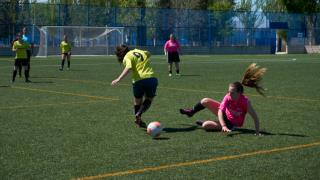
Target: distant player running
x=144 y=82
x=20 y=47
x=65 y=52
x=232 y=110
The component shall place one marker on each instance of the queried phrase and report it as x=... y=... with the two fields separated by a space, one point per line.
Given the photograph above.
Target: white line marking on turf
x=196 y=162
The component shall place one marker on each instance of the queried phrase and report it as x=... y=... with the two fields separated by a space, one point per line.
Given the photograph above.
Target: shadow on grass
x=188 y=75
x=79 y=70
x=3 y=86
x=43 y=77
x=183 y=129
x=41 y=82
x=251 y=131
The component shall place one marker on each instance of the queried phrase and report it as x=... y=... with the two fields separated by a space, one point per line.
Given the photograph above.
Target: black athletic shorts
x=21 y=62
x=228 y=122
x=173 y=57
x=147 y=87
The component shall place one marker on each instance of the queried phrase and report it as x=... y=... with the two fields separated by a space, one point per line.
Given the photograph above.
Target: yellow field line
x=191 y=163
x=195 y=90
x=66 y=93
x=50 y=104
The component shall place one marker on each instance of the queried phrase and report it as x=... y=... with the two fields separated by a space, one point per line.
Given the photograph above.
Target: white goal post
x=85 y=40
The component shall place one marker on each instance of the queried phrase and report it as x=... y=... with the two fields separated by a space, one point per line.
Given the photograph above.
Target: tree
x=248 y=12
x=310 y=9
x=220 y=19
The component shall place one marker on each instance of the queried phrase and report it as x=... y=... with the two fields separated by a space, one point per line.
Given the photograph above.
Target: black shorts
x=21 y=62
x=173 y=57
x=228 y=122
x=146 y=87
x=67 y=54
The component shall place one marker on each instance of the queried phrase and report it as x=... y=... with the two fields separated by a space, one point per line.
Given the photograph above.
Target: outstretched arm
x=255 y=118
x=124 y=73
x=224 y=128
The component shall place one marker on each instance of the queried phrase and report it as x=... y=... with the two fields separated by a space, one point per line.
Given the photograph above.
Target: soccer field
x=75 y=125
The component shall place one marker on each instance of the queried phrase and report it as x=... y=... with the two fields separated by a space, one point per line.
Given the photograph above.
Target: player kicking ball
x=144 y=82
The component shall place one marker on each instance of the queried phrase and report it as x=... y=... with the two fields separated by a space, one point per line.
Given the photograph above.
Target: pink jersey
x=235 y=110
x=171 y=46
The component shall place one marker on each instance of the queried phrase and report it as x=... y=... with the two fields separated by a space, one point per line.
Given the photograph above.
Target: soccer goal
x=85 y=40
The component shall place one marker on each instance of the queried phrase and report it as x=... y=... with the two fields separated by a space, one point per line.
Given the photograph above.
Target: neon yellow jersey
x=138 y=61
x=65 y=47
x=21 y=49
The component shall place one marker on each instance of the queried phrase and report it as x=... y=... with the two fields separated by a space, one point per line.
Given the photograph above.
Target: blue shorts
x=147 y=87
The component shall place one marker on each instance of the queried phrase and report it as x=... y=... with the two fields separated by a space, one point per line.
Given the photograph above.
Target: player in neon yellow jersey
x=65 y=52
x=20 y=47
x=144 y=82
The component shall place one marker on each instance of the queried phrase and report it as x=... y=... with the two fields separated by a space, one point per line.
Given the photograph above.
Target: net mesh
x=84 y=40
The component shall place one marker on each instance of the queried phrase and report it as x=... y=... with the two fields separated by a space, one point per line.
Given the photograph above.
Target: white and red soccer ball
x=154 y=129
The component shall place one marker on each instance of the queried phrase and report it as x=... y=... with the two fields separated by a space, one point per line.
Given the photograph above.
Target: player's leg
x=63 y=57
x=170 y=68
x=176 y=63
x=137 y=101
x=68 y=59
x=169 y=60
x=149 y=86
x=29 y=59
x=26 y=70
x=208 y=103
x=17 y=64
x=177 y=68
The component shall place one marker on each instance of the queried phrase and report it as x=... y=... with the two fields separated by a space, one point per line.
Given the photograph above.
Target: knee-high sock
x=136 y=108
x=26 y=74
x=144 y=107
x=68 y=64
x=14 y=74
x=198 y=107
x=62 y=63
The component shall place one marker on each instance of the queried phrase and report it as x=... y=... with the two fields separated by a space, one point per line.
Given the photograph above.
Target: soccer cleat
x=199 y=122
x=28 y=81
x=139 y=122
x=178 y=74
x=188 y=112
x=61 y=68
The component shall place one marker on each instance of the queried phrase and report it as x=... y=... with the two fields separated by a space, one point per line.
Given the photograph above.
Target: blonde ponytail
x=253 y=76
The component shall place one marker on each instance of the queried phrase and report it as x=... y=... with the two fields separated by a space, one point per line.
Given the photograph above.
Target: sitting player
x=232 y=110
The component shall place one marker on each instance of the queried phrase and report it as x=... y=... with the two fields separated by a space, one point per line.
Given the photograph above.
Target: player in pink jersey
x=235 y=105
x=171 y=49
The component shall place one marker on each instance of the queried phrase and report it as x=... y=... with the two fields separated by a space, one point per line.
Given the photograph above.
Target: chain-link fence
x=152 y=26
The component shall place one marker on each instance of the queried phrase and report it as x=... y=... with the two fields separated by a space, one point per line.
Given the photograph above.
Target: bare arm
x=222 y=123
x=124 y=73
x=255 y=118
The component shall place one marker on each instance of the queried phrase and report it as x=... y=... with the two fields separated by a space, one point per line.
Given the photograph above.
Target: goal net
x=84 y=40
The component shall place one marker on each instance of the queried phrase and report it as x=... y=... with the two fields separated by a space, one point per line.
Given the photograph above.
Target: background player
x=65 y=52
x=20 y=47
x=171 y=49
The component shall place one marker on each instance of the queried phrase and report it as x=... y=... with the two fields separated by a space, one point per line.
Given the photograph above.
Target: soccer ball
x=154 y=129
x=209 y=125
